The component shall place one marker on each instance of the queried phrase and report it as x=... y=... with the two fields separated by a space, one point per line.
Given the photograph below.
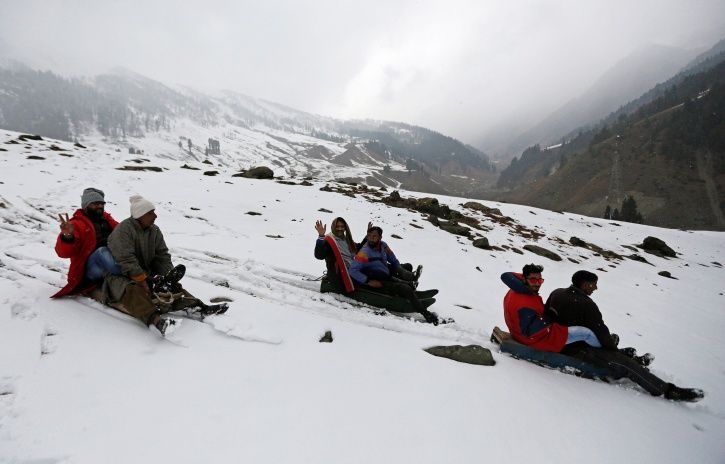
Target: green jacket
x=138 y=252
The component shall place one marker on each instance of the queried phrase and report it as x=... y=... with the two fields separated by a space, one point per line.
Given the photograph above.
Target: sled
x=379 y=300
x=561 y=362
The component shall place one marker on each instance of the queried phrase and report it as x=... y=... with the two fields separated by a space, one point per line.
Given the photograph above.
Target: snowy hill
x=80 y=383
x=126 y=111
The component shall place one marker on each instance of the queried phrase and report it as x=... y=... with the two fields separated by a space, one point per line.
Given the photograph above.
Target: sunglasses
x=535 y=280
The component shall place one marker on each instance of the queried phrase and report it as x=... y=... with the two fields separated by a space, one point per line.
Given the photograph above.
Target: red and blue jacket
x=373 y=263
x=523 y=311
x=83 y=244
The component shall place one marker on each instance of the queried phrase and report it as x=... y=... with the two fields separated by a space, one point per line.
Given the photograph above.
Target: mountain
x=667 y=154
x=127 y=111
x=626 y=80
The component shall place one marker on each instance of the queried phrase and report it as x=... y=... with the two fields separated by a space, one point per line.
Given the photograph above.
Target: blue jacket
x=373 y=263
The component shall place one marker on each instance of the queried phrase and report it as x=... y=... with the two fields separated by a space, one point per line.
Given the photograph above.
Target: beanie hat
x=91 y=195
x=140 y=206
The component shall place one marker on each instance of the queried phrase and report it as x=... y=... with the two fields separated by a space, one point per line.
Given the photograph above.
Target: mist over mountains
x=563 y=163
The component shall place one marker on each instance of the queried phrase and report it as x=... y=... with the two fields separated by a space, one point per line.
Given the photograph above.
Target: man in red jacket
x=525 y=318
x=83 y=239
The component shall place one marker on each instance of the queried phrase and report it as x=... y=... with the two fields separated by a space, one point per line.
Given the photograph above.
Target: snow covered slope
x=80 y=383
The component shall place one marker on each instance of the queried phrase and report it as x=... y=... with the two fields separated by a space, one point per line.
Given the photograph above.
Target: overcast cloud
x=459 y=67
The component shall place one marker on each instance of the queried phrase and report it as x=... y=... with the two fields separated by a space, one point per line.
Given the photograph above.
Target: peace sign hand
x=66 y=227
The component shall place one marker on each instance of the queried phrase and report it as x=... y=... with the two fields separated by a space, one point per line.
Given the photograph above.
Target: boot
x=209 y=310
x=430 y=317
x=166 y=325
x=163 y=283
x=645 y=360
x=675 y=393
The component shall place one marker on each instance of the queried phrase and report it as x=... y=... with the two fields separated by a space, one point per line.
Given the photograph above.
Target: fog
x=462 y=68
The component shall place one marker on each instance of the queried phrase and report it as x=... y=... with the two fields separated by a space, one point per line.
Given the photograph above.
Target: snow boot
x=645 y=360
x=418 y=272
x=675 y=393
x=209 y=310
x=164 y=283
x=166 y=325
x=430 y=317
x=629 y=352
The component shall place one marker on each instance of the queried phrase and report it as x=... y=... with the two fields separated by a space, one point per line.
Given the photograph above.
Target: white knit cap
x=140 y=206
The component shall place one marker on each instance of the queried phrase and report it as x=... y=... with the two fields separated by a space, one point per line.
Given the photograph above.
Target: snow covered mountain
x=80 y=383
x=124 y=110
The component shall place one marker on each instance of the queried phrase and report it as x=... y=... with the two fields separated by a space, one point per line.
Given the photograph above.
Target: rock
x=324 y=210
x=666 y=274
x=78 y=145
x=25 y=137
x=516 y=250
x=542 y=252
x=207 y=162
x=657 y=247
x=455 y=229
x=186 y=166
x=482 y=243
x=578 y=242
x=396 y=236
x=636 y=257
x=484 y=209
x=274 y=236
x=260 y=172
x=35 y=157
x=327 y=338
x=253 y=213
x=140 y=168
x=211 y=173
x=471 y=354
x=221 y=299
x=306 y=183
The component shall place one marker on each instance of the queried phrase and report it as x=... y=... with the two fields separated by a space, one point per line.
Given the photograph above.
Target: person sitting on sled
x=376 y=266
x=83 y=238
x=147 y=287
x=530 y=325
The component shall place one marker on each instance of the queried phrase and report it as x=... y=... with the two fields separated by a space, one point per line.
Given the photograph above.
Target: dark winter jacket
x=524 y=314
x=571 y=306
x=373 y=263
x=139 y=252
x=337 y=273
x=79 y=249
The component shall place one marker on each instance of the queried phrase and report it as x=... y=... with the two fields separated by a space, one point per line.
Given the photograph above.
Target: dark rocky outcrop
x=482 y=208
x=657 y=247
x=260 y=172
x=141 y=168
x=471 y=354
x=542 y=252
x=327 y=338
x=482 y=243
x=211 y=173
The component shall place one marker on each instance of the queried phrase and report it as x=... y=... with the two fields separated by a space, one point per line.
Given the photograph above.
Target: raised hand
x=66 y=227
x=321 y=228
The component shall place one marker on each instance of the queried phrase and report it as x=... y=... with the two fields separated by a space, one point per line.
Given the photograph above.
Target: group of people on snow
x=370 y=264
x=128 y=266
x=570 y=323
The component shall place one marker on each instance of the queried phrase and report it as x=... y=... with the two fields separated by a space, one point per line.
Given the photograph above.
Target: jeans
x=582 y=334
x=100 y=262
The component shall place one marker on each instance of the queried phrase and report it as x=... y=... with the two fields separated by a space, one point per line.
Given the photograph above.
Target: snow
x=81 y=383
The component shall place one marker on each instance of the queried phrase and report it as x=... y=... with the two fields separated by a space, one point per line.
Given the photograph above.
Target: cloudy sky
x=459 y=67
